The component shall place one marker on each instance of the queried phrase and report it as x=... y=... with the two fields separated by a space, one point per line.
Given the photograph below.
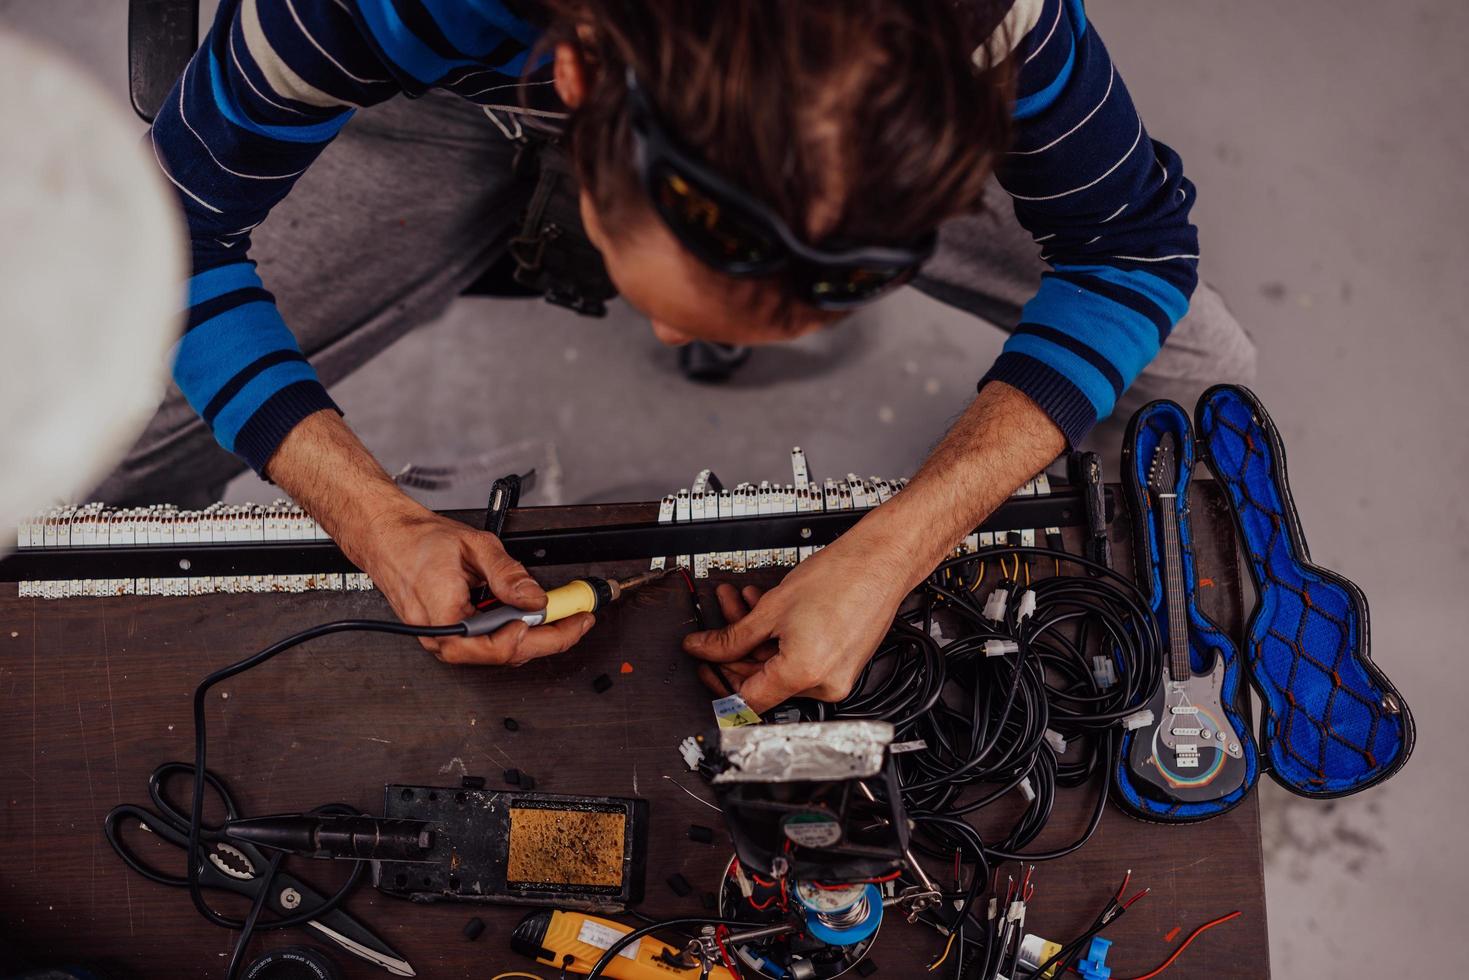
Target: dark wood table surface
x=94 y=693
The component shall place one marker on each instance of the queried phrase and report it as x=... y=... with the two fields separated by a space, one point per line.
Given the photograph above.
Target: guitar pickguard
x=1191 y=751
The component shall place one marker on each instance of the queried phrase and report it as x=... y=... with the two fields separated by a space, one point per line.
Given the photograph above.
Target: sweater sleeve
x=1109 y=208
x=272 y=84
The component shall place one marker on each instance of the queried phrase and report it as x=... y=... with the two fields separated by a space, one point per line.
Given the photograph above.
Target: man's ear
x=570 y=75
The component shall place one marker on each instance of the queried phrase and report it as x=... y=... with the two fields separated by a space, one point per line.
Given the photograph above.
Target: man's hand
x=808 y=636
x=426 y=565
x=812 y=634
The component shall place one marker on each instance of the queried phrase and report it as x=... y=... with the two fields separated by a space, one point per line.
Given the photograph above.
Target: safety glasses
x=730 y=231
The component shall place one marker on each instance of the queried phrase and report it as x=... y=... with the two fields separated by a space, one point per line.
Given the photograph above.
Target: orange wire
x=1184 y=945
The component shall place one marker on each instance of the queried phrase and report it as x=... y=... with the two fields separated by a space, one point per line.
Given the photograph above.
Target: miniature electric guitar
x=1190 y=752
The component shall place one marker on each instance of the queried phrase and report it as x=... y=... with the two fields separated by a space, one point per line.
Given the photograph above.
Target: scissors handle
x=180 y=817
x=164 y=828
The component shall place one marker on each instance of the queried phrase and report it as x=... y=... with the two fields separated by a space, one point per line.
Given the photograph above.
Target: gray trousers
x=414 y=200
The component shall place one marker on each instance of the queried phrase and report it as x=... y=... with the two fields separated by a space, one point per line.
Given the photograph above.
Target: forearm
x=1002 y=440
x=327 y=470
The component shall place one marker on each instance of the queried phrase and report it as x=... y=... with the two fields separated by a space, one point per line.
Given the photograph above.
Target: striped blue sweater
x=275 y=80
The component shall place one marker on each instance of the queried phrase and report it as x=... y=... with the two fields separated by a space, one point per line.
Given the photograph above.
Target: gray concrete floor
x=1326 y=140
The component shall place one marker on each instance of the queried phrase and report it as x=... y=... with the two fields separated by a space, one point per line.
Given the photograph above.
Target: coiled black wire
x=251 y=923
x=983 y=719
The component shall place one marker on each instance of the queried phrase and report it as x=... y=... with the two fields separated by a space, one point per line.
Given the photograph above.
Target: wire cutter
x=237 y=867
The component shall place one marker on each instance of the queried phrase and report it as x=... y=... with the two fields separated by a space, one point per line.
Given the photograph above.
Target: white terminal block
x=788 y=556
x=998 y=648
x=681 y=516
x=724 y=560
x=692 y=753
x=800 y=471
x=1138 y=719
x=698 y=511
x=994 y=606
x=665 y=516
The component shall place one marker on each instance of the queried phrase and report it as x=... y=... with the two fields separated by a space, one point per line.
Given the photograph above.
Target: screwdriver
x=580 y=595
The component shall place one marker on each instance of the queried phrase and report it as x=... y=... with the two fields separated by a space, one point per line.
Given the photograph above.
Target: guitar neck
x=1178 y=661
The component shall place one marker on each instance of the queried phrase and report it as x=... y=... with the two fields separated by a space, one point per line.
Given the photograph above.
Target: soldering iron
x=581 y=595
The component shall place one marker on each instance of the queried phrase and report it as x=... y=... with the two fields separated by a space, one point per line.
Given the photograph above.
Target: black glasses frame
x=825 y=278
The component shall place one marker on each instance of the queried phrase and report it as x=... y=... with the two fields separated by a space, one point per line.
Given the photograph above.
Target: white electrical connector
x=1138 y=719
x=1027 y=790
x=1056 y=741
x=692 y=753
x=1104 y=672
x=994 y=606
x=1027 y=606
x=998 y=648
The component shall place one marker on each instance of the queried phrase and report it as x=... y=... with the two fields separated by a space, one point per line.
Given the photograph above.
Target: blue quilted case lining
x=1332 y=723
x=1146 y=429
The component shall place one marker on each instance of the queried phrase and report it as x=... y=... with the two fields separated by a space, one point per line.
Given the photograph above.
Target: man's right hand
x=426 y=565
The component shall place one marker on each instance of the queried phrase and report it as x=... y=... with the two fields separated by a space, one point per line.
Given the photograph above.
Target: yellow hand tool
x=551 y=936
x=580 y=595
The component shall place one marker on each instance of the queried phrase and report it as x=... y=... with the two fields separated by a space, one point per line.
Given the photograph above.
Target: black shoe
x=709 y=362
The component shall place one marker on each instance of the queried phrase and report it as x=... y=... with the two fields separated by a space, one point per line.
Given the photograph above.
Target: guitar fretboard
x=1168 y=517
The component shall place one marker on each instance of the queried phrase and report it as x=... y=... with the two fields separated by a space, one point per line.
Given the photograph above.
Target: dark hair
x=867 y=121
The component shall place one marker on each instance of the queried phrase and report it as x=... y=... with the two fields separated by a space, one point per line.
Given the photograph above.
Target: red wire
x=861 y=881
x=719 y=936
x=1125 y=879
x=688 y=579
x=1184 y=945
x=1128 y=904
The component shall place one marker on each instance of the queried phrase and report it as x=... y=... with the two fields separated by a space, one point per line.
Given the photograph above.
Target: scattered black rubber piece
x=700 y=834
x=513 y=777
x=680 y=885
x=601 y=683
x=527 y=781
x=472 y=782
x=473 y=928
x=710 y=900
x=866 y=968
x=511 y=725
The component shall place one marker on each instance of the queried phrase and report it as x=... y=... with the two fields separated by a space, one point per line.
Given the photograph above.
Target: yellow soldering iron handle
x=581 y=595
x=574 y=597
x=585 y=938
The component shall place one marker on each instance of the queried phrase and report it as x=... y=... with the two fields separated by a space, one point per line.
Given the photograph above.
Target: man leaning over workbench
x=748 y=170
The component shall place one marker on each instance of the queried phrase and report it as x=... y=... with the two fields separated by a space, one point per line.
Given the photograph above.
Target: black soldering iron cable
x=639 y=933
x=196 y=811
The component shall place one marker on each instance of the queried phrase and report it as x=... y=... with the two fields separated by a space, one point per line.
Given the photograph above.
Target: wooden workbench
x=94 y=693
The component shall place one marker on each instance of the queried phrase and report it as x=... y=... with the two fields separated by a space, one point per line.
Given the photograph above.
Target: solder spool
x=843 y=918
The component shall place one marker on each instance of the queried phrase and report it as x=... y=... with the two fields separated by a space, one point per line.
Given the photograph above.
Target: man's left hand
x=812 y=634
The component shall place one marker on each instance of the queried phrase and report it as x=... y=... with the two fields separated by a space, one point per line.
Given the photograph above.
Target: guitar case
x=1331 y=723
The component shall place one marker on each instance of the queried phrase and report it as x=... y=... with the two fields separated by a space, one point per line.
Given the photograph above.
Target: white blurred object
x=92 y=265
